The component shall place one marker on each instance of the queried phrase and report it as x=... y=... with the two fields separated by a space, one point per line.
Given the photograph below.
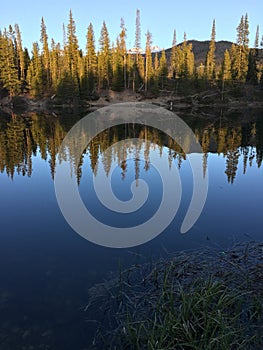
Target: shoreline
x=166 y=99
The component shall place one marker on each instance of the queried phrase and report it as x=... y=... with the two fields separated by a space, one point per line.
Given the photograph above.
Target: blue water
x=46 y=268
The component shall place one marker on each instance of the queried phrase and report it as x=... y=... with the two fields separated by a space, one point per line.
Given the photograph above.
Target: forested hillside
x=64 y=70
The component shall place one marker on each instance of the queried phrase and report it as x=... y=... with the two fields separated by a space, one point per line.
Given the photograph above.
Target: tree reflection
x=24 y=137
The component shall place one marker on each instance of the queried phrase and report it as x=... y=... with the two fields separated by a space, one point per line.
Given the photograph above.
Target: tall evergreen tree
x=123 y=51
x=140 y=70
x=252 y=72
x=138 y=31
x=137 y=61
x=174 y=61
x=55 y=64
x=256 y=44
x=35 y=72
x=210 y=58
x=92 y=62
x=9 y=72
x=156 y=65
x=186 y=60
x=104 y=58
x=21 y=56
x=27 y=62
x=226 y=66
x=201 y=71
x=240 y=51
x=72 y=52
x=148 y=64
x=45 y=55
x=244 y=61
x=254 y=62
x=69 y=83
x=117 y=67
x=163 y=68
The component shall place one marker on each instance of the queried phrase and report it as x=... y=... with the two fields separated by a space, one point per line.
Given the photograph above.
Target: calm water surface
x=46 y=269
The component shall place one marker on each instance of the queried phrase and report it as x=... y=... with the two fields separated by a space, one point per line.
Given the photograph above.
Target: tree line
x=69 y=72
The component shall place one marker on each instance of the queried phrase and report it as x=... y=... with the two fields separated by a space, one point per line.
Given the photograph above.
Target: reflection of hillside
x=22 y=137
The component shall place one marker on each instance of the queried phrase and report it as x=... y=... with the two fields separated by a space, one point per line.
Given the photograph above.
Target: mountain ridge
x=200 y=49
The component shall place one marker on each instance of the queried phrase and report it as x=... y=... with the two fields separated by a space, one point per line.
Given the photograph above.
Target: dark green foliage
x=68 y=88
x=104 y=58
x=36 y=73
x=163 y=69
x=9 y=69
x=252 y=73
x=92 y=61
x=69 y=72
x=117 y=81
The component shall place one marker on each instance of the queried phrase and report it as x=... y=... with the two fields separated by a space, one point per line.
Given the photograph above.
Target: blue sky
x=160 y=17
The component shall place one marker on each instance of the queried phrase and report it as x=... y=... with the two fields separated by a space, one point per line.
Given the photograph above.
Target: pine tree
x=156 y=72
x=45 y=55
x=156 y=66
x=27 y=63
x=92 y=62
x=71 y=75
x=252 y=72
x=130 y=66
x=148 y=63
x=104 y=58
x=186 y=60
x=163 y=68
x=72 y=44
x=9 y=72
x=35 y=73
x=253 y=62
x=235 y=67
x=123 y=51
x=138 y=64
x=226 y=66
x=256 y=44
x=244 y=60
x=210 y=58
x=55 y=64
x=225 y=74
x=21 y=57
x=138 y=31
x=246 y=33
x=117 y=81
x=174 y=62
x=140 y=70
x=240 y=51
x=201 y=71
x=83 y=75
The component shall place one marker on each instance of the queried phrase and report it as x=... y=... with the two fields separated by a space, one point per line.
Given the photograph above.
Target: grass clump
x=206 y=316
x=195 y=301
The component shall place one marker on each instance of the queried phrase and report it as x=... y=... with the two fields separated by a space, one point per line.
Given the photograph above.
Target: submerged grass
x=206 y=316
x=198 y=301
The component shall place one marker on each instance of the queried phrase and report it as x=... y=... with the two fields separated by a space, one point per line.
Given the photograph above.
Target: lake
x=47 y=268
